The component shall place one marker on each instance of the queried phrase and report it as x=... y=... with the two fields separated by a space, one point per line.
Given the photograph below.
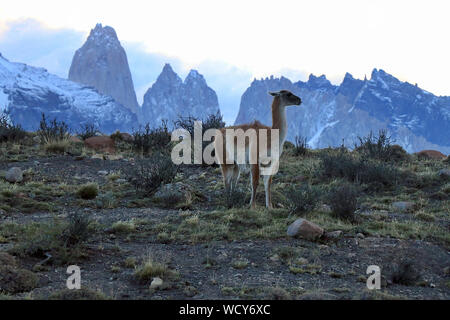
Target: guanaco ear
x=274 y=94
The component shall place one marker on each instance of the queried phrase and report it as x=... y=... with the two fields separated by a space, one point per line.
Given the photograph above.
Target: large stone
x=103 y=143
x=156 y=283
x=304 y=229
x=14 y=174
x=431 y=154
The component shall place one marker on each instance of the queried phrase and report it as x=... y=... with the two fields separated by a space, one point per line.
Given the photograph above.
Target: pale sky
x=408 y=39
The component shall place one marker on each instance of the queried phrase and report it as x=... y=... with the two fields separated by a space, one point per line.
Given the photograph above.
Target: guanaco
x=231 y=171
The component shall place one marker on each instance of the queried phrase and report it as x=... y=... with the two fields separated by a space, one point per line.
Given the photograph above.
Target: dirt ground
x=258 y=268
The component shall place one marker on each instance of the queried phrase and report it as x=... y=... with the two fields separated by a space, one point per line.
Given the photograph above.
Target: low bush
x=300 y=146
x=341 y=164
x=303 y=198
x=88 y=191
x=380 y=148
x=343 y=201
x=52 y=131
x=149 y=173
x=147 y=140
x=87 y=130
x=10 y=132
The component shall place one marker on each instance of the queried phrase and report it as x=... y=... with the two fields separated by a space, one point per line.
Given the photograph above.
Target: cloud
x=29 y=41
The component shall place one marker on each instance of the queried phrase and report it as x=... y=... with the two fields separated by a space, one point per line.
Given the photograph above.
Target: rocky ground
x=197 y=244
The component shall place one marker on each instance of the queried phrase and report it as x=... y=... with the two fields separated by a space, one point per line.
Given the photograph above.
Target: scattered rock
x=190 y=291
x=334 y=235
x=431 y=154
x=79 y=158
x=403 y=205
x=103 y=172
x=360 y=236
x=304 y=229
x=37 y=139
x=156 y=283
x=14 y=174
x=102 y=143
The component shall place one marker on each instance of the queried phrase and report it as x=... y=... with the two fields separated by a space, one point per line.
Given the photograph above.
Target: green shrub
x=81 y=294
x=303 y=198
x=380 y=148
x=77 y=230
x=213 y=121
x=87 y=130
x=300 y=146
x=343 y=201
x=147 y=140
x=148 y=174
x=10 y=132
x=53 y=131
x=88 y=191
x=341 y=164
x=405 y=273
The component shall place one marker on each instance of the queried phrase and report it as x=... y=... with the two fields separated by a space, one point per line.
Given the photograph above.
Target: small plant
x=77 y=230
x=147 y=140
x=123 y=227
x=380 y=148
x=343 y=201
x=213 y=121
x=10 y=132
x=300 y=146
x=303 y=198
x=405 y=273
x=53 y=131
x=87 y=130
x=88 y=191
x=150 y=269
x=342 y=164
x=106 y=201
x=236 y=198
x=148 y=174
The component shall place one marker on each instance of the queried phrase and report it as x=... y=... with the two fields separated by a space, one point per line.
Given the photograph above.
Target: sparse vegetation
x=87 y=130
x=149 y=174
x=303 y=198
x=10 y=132
x=148 y=140
x=88 y=191
x=343 y=201
x=300 y=146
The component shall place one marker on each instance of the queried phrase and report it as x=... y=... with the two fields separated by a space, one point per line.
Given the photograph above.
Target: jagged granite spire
x=169 y=97
x=102 y=63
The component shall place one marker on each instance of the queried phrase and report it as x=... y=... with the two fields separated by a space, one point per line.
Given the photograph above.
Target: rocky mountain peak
x=169 y=97
x=102 y=63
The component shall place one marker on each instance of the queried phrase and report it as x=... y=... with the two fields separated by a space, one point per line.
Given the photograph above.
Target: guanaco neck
x=279 y=119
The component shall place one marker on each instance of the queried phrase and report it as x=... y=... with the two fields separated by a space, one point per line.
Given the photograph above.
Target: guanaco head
x=287 y=98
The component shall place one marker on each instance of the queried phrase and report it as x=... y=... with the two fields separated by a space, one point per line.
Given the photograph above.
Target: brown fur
x=230 y=172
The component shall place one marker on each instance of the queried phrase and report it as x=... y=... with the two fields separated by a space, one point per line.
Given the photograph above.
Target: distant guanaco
x=231 y=171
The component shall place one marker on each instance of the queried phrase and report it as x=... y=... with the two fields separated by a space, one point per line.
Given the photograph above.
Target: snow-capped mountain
x=102 y=63
x=329 y=115
x=26 y=92
x=170 y=97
